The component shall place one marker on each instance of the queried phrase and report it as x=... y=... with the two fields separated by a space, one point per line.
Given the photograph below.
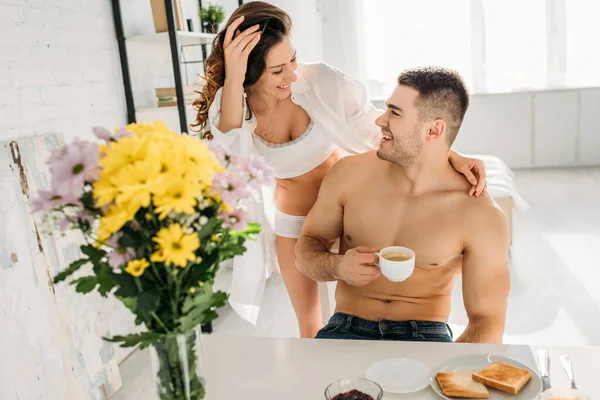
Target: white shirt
x=338 y=104
x=300 y=155
x=333 y=99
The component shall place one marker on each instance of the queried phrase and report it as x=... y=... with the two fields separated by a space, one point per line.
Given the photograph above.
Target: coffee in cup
x=396 y=263
x=397 y=256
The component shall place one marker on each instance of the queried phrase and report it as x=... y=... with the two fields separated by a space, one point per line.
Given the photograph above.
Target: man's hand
x=358 y=268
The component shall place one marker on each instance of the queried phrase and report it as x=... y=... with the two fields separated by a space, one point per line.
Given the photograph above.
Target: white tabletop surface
x=300 y=369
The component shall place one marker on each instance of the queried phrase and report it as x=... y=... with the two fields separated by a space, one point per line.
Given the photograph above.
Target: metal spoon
x=565 y=360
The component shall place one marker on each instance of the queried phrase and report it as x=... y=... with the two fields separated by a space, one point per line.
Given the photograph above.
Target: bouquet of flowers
x=159 y=212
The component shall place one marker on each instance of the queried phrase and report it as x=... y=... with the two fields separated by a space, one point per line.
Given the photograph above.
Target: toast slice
x=461 y=384
x=504 y=377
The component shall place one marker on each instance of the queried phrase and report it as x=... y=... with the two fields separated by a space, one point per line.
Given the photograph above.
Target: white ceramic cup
x=396 y=271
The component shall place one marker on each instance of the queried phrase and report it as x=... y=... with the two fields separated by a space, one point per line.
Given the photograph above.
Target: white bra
x=298 y=156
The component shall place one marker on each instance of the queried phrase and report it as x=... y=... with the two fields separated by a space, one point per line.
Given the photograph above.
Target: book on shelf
x=167 y=97
x=170 y=92
x=159 y=13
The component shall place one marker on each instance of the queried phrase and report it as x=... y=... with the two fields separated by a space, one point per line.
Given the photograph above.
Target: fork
x=565 y=360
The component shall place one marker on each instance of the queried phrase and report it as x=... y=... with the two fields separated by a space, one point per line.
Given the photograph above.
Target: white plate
x=530 y=391
x=399 y=375
x=564 y=394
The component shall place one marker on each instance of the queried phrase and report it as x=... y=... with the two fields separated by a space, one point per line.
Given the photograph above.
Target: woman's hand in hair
x=237 y=47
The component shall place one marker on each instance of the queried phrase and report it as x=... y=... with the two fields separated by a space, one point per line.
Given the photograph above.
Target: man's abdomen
x=373 y=305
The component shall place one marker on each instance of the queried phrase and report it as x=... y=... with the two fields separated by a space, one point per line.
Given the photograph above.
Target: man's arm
x=486 y=280
x=322 y=227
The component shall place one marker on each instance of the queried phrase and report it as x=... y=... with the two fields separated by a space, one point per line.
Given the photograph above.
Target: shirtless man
x=407 y=194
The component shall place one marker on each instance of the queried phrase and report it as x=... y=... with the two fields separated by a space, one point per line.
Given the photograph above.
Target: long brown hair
x=274 y=23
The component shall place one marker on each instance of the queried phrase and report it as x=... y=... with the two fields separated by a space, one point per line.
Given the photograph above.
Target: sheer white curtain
x=497 y=46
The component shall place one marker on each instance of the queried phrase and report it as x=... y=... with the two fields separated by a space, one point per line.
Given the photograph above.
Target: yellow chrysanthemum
x=123 y=152
x=168 y=156
x=137 y=267
x=147 y=128
x=113 y=220
x=138 y=181
x=105 y=190
x=203 y=164
x=175 y=246
x=179 y=197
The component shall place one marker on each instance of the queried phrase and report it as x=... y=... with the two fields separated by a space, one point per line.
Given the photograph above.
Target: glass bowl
x=348 y=385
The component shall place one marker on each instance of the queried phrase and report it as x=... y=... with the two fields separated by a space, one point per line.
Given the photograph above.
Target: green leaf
x=105 y=280
x=126 y=284
x=85 y=284
x=73 y=267
x=208 y=228
x=129 y=302
x=147 y=303
x=198 y=308
x=87 y=199
x=93 y=253
x=199 y=272
x=129 y=240
x=253 y=228
x=144 y=339
x=194 y=307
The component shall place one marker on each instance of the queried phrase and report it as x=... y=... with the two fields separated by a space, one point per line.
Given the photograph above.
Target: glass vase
x=177 y=365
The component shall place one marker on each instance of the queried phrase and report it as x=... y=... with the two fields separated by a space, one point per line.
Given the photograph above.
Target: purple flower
x=258 y=169
x=104 y=134
x=49 y=199
x=121 y=133
x=120 y=255
x=82 y=216
x=235 y=219
x=231 y=187
x=73 y=165
x=220 y=152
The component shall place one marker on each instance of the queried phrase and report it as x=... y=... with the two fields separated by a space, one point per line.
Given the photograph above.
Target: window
x=497 y=46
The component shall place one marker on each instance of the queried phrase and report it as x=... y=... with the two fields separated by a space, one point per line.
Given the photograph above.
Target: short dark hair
x=442 y=94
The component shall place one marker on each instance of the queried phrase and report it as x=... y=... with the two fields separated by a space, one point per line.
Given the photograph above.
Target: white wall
x=559 y=128
x=343 y=37
x=307 y=33
x=535 y=129
x=59 y=68
x=59 y=74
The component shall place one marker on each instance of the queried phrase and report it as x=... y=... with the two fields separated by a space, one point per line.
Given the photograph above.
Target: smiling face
x=403 y=131
x=280 y=71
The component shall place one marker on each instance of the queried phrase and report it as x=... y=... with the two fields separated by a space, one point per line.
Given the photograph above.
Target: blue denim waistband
x=383 y=326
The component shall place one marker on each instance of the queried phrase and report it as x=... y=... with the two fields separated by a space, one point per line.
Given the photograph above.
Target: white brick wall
x=59 y=68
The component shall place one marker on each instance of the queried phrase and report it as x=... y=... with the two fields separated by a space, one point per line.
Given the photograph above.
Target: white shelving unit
x=183 y=38
x=169 y=115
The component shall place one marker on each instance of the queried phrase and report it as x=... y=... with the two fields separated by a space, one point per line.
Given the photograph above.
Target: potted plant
x=211 y=17
x=159 y=212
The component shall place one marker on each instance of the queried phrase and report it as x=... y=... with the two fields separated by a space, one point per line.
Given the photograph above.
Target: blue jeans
x=344 y=326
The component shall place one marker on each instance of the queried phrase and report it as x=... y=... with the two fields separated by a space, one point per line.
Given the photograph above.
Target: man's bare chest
x=432 y=227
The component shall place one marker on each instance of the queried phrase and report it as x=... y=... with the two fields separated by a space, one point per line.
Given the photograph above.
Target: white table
x=300 y=369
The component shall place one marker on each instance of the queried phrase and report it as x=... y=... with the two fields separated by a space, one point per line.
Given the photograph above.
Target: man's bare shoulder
x=482 y=215
x=352 y=168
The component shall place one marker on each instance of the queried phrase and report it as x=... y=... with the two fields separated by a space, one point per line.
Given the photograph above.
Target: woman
x=302 y=118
